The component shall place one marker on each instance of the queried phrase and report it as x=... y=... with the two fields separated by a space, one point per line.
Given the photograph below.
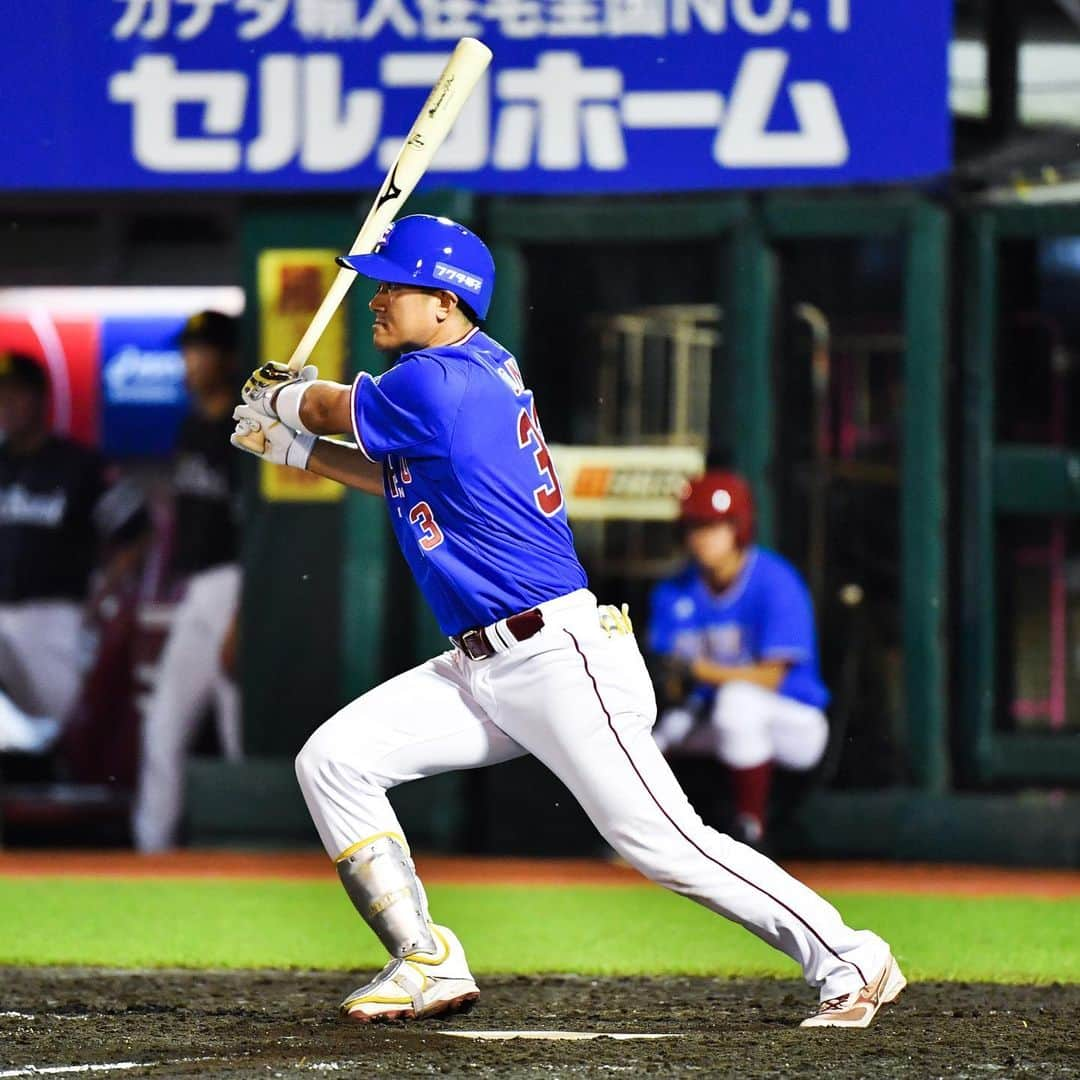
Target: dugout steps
x=56 y=813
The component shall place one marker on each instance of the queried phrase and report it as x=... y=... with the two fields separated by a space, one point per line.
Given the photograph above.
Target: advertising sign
x=635 y=483
x=292 y=283
x=582 y=95
x=116 y=377
x=143 y=395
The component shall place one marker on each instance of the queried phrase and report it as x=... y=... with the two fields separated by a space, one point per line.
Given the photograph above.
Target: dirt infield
x=260 y=1024
x=56 y=1021
x=909 y=878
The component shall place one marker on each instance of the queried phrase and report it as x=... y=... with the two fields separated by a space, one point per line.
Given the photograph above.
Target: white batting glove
x=269 y=439
x=261 y=391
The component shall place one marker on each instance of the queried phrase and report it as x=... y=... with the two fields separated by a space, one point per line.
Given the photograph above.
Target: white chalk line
x=56 y=1070
x=48 y=1016
x=569 y=1036
x=110 y=1066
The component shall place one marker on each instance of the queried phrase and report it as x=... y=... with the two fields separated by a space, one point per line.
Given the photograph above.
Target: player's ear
x=447 y=303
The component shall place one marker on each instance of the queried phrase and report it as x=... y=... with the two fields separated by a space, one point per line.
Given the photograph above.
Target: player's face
x=22 y=411
x=712 y=545
x=204 y=368
x=406 y=317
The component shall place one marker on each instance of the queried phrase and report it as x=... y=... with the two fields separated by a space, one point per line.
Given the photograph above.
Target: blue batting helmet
x=433 y=253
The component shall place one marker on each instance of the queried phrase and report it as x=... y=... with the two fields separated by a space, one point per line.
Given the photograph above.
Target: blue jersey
x=472 y=493
x=765 y=614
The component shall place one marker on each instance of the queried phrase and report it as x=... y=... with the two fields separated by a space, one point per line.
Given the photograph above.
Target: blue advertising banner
x=143 y=393
x=582 y=96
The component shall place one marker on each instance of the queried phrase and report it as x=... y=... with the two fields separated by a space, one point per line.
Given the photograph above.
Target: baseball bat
x=467 y=63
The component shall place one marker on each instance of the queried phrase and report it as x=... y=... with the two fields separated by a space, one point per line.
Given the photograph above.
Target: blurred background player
x=99 y=726
x=191 y=675
x=733 y=636
x=49 y=489
x=99 y=744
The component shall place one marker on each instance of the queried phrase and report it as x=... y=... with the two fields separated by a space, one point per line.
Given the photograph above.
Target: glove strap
x=298 y=454
x=287 y=405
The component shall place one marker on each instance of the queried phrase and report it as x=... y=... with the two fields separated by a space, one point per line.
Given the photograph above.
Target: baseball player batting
x=450 y=437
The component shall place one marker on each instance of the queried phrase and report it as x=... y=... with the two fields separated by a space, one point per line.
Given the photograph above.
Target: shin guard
x=381 y=882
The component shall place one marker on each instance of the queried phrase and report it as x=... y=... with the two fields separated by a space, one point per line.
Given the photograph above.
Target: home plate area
x=71 y=1022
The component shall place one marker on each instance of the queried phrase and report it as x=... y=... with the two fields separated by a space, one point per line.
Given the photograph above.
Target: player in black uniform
x=206 y=550
x=49 y=488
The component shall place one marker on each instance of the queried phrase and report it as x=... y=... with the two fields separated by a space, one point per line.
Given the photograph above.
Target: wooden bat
x=467 y=63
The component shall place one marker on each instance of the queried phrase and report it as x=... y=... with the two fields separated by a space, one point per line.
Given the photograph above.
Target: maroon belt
x=476 y=643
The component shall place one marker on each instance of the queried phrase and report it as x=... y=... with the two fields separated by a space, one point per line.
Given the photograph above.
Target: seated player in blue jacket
x=734 y=635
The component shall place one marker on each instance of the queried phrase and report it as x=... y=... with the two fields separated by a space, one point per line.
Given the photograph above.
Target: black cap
x=23 y=370
x=211 y=328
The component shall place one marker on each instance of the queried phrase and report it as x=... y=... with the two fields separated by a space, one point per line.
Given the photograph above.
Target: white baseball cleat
x=857 y=1009
x=418 y=986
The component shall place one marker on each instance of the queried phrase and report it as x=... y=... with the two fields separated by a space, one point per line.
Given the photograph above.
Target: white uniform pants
x=580 y=700
x=189 y=678
x=748 y=726
x=754 y=725
x=22 y=733
x=42 y=655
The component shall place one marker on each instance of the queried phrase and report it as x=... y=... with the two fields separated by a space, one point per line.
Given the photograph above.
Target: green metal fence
x=748 y=234
x=744 y=233
x=999 y=479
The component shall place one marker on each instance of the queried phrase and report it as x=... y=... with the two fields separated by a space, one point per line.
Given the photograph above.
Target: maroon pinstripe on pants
x=675 y=826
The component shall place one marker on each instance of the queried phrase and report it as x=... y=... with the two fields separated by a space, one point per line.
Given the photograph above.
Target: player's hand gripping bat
x=467 y=63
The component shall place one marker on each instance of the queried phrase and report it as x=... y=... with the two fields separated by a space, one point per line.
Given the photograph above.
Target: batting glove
x=265 y=386
x=280 y=444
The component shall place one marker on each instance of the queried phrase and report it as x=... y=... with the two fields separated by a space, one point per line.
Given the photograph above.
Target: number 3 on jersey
x=431 y=536
x=548 y=496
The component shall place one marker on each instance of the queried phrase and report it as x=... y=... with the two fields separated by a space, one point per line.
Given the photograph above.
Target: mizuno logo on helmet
x=453 y=276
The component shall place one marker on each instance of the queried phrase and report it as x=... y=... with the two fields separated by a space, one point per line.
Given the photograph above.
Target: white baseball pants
x=748 y=726
x=189 y=677
x=576 y=696
x=43 y=655
x=22 y=733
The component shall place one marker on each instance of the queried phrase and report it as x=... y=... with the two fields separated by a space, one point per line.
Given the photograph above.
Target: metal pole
x=815 y=318
x=922 y=501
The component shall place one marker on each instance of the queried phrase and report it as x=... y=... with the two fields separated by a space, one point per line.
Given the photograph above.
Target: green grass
x=641 y=930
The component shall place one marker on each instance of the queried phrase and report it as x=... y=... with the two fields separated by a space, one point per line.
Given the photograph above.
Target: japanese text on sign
x=441 y=20
x=583 y=96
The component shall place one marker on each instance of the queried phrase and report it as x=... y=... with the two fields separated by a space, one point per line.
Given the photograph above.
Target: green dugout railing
x=348 y=650
x=924 y=230
x=1002 y=478
x=744 y=233
x=368 y=601
x=729 y=223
